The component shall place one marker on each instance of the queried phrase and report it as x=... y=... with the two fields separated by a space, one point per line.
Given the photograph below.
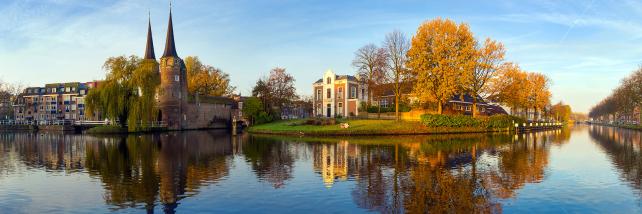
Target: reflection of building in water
x=135 y=170
x=331 y=160
x=61 y=153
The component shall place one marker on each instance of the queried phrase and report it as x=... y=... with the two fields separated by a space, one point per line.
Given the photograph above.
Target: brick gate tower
x=172 y=96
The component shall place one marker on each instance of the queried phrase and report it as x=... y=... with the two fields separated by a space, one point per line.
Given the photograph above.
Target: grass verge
x=361 y=127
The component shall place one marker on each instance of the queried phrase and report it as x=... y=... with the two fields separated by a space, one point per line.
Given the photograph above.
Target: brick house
x=336 y=95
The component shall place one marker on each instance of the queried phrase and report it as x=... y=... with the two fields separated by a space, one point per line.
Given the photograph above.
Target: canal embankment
x=428 y=125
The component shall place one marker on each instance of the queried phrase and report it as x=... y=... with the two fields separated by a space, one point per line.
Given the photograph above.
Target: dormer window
x=329 y=81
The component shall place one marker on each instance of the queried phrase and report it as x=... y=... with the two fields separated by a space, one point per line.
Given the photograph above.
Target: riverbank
x=120 y=130
x=633 y=127
x=362 y=127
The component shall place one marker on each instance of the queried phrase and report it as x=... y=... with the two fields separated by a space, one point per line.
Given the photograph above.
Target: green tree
x=127 y=94
x=252 y=107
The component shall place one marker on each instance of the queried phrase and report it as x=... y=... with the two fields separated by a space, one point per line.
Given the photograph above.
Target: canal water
x=580 y=169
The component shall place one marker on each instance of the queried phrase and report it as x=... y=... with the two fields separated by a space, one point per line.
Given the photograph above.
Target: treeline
x=623 y=101
x=444 y=59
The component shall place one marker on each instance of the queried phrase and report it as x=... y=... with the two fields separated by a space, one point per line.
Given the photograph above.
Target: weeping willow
x=127 y=95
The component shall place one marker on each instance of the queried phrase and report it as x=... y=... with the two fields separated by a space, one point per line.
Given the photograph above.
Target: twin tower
x=172 y=94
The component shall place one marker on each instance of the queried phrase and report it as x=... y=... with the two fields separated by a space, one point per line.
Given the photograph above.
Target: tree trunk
x=379 y=108
x=439 y=107
x=475 y=106
x=397 y=107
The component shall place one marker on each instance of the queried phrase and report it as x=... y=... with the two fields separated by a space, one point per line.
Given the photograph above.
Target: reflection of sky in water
x=583 y=170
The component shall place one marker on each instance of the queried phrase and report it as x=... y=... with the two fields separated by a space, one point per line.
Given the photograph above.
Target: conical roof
x=149 y=49
x=170 y=48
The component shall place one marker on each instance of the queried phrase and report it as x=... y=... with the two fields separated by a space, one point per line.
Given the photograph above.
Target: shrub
x=437 y=120
x=320 y=121
x=402 y=108
x=502 y=121
x=263 y=117
x=495 y=121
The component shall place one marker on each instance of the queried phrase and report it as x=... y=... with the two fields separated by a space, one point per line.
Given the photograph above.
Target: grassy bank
x=633 y=127
x=118 y=130
x=361 y=127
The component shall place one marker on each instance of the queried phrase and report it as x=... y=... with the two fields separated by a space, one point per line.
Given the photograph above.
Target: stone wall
x=207 y=116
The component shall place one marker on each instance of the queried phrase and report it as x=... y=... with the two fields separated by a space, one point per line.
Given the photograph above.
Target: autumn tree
x=205 y=79
x=397 y=45
x=276 y=91
x=561 y=112
x=371 y=63
x=441 y=58
x=488 y=59
x=539 y=94
x=509 y=88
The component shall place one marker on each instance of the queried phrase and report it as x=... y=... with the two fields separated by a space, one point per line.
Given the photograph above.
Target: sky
x=586 y=47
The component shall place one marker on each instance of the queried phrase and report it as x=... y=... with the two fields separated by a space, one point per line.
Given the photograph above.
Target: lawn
x=358 y=127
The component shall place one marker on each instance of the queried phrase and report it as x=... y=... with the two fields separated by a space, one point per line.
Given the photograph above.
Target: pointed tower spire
x=149 y=49
x=170 y=48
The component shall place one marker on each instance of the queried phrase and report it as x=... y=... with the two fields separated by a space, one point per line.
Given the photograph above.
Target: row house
x=56 y=101
x=338 y=95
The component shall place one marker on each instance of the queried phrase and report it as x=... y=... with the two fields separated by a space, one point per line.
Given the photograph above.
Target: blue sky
x=585 y=47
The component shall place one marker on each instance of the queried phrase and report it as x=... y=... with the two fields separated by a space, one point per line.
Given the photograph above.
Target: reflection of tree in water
x=624 y=148
x=520 y=162
x=451 y=173
x=271 y=159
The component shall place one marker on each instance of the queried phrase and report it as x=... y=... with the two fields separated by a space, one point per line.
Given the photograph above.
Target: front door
x=329 y=111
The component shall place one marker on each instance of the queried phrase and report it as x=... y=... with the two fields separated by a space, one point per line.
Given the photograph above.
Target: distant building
x=336 y=95
x=56 y=101
x=6 y=109
x=459 y=104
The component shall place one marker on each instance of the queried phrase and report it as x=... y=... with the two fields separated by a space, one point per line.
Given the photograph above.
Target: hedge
x=495 y=121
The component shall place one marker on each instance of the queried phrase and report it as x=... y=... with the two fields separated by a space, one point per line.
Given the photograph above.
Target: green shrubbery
x=320 y=121
x=502 y=121
x=375 y=109
x=496 y=121
x=439 y=120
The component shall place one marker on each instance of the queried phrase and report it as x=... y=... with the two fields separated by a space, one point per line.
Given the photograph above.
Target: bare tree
x=8 y=95
x=397 y=45
x=371 y=63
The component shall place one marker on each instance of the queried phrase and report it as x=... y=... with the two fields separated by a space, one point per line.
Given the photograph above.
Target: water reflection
x=623 y=147
x=447 y=173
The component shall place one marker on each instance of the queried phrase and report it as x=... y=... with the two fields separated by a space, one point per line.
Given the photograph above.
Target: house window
x=467 y=108
x=328 y=80
x=340 y=110
x=319 y=94
x=363 y=94
x=383 y=103
x=329 y=93
x=353 y=92
x=340 y=94
x=176 y=78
